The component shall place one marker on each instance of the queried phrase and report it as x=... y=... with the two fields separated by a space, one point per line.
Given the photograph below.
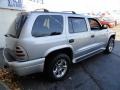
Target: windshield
x=17 y=26
x=107 y=19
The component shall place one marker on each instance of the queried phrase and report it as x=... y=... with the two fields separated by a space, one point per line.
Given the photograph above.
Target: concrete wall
x=7 y=16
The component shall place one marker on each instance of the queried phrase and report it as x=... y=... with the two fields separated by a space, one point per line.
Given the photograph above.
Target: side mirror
x=104 y=27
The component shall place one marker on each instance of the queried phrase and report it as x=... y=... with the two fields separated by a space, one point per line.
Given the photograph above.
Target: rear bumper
x=24 y=67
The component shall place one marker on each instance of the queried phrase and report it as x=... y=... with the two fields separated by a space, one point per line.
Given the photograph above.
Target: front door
x=99 y=35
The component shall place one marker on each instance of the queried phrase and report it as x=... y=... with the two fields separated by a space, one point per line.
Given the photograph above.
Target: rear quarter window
x=47 y=25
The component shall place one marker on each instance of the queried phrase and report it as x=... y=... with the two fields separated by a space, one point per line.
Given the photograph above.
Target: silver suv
x=51 y=41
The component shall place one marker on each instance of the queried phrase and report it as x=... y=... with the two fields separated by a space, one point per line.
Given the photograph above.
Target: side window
x=94 y=24
x=47 y=25
x=77 y=25
x=70 y=25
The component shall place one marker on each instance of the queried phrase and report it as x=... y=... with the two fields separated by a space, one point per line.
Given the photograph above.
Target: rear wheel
x=58 y=67
x=110 y=45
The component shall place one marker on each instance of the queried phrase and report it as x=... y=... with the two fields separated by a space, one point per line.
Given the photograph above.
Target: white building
x=8 y=12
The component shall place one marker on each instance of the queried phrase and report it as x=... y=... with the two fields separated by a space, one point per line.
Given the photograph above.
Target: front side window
x=77 y=25
x=47 y=25
x=94 y=24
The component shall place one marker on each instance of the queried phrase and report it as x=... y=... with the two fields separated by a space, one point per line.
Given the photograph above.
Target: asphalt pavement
x=100 y=72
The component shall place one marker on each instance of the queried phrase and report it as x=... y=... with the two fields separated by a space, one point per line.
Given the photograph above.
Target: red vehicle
x=107 y=21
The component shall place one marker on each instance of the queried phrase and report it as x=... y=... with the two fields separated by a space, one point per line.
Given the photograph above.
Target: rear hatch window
x=17 y=26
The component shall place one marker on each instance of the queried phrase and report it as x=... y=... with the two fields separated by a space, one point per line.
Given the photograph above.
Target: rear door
x=79 y=36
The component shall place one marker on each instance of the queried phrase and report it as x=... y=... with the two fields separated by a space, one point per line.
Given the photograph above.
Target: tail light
x=20 y=53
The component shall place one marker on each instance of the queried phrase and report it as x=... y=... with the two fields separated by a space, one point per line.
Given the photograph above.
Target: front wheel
x=58 y=67
x=110 y=45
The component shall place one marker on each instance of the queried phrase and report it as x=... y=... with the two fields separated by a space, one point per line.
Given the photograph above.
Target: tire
x=58 y=67
x=107 y=26
x=110 y=46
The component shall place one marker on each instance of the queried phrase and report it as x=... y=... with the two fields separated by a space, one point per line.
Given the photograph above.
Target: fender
x=57 y=48
x=110 y=33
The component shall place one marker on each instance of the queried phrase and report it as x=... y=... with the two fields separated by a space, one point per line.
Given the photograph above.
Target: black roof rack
x=73 y=12
x=44 y=10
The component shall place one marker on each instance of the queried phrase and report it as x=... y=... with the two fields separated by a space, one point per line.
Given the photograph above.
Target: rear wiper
x=10 y=35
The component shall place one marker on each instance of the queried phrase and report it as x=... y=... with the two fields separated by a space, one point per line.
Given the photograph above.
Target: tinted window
x=17 y=26
x=70 y=25
x=94 y=24
x=46 y=25
x=77 y=25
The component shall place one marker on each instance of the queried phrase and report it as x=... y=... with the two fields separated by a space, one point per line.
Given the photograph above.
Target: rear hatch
x=14 y=33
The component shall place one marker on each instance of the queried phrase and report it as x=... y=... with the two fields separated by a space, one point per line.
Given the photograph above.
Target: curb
x=3 y=86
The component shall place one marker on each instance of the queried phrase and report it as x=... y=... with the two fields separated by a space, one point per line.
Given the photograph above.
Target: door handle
x=71 y=40
x=92 y=36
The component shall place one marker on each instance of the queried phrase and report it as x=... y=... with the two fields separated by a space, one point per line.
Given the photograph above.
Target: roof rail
x=73 y=12
x=42 y=9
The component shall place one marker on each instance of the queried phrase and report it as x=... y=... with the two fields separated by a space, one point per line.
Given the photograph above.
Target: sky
x=82 y=5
